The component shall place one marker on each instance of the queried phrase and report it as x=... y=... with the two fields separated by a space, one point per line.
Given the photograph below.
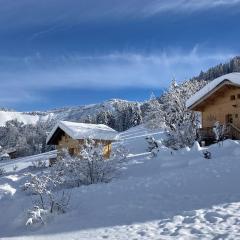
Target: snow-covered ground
x=134 y=138
x=24 y=162
x=22 y=117
x=177 y=195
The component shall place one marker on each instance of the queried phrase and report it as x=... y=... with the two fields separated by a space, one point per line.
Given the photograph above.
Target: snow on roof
x=233 y=78
x=11 y=150
x=85 y=130
x=4 y=155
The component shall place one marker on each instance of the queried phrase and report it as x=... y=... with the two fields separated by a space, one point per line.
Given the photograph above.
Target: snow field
x=177 y=195
x=21 y=117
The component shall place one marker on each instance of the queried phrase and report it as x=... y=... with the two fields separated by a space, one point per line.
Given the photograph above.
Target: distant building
x=12 y=152
x=4 y=156
x=71 y=136
x=218 y=101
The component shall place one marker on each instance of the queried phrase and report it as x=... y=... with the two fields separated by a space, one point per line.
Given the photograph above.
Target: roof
x=83 y=131
x=11 y=150
x=202 y=94
x=4 y=155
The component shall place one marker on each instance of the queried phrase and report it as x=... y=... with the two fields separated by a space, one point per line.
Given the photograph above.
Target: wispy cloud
x=186 y=6
x=55 y=13
x=21 y=77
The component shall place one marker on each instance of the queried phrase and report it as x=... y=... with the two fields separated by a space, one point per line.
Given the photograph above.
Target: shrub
x=88 y=168
x=39 y=163
x=2 y=171
x=47 y=200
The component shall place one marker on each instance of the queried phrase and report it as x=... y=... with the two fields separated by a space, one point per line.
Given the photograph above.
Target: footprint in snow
x=213 y=217
x=105 y=236
x=189 y=220
x=141 y=233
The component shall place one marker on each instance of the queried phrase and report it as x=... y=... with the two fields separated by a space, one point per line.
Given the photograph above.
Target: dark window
x=229 y=118
x=236 y=115
x=71 y=151
x=232 y=97
x=238 y=96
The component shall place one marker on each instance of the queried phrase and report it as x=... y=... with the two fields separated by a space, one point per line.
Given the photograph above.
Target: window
x=229 y=118
x=71 y=151
x=232 y=97
x=238 y=96
x=236 y=115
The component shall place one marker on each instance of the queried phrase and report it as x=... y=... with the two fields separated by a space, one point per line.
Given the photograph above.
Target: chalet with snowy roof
x=218 y=101
x=12 y=152
x=71 y=136
x=4 y=156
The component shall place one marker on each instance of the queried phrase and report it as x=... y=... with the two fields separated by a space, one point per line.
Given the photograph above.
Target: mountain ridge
x=119 y=114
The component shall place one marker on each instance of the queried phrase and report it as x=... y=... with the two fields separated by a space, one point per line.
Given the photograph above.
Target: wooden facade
x=74 y=146
x=221 y=105
x=72 y=136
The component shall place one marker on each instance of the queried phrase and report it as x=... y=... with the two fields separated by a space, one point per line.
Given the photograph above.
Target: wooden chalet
x=218 y=101
x=71 y=136
x=12 y=152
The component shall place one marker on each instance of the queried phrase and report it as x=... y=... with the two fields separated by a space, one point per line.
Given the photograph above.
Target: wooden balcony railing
x=230 y=131
x=206 y=133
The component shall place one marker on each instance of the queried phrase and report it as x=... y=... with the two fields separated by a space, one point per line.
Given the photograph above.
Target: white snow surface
x=234 y=78
x=134 y=138
x=21 y=117
x=85 y=130
x=24 y=162
x=4 y=155
x=177 y=195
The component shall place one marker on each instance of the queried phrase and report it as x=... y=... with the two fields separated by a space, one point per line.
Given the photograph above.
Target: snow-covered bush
x=48 y=200
x=119 y=154
x=39 y=164
x=94 y=167
x=69 y=171
x=55 y=202
x=219 y=130
x=153 y=146
x=40 y=186
x=89 y=167
x=2 y=171
x=36 y=216
x=15 y=167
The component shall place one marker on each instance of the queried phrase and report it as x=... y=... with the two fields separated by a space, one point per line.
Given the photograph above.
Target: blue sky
x=56 y=53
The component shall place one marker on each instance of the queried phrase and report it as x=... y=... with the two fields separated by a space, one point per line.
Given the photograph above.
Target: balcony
x=229 y=131
x=206 y=134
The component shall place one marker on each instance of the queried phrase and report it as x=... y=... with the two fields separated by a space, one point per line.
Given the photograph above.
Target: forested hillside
x=165 y=111
x=223 y=68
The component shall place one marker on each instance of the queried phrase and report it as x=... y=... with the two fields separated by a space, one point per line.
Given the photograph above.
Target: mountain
x=26 y=118
x=116 y=113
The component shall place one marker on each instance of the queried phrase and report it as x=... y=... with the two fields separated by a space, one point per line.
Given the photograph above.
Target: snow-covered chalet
x=218 y=102
x=71 y=136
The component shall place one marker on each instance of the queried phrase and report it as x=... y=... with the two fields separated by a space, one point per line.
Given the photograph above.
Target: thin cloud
x=49 y=15
x=186 y=6
x=22 y=77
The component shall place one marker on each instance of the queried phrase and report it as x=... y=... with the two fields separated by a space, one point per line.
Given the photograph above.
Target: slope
x=177 y=195
x=22 y=117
